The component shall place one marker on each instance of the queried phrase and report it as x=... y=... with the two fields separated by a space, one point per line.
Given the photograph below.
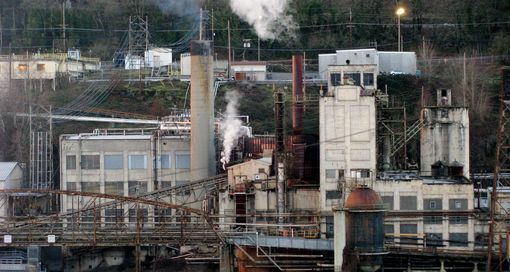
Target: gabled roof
x=6 y=169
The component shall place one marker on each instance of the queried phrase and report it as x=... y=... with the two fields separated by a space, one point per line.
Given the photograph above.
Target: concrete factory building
x=122 y=162
x=347 y=130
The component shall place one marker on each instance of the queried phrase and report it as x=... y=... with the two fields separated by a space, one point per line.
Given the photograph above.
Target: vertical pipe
x=281 y=189
x=229 y=50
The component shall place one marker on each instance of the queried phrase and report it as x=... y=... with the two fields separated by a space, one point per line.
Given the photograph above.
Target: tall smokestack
x=297 y=94
x=298 y=143
x=202 y=110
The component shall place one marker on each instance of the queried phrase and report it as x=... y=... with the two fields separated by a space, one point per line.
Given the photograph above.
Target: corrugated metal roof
x=6 y=169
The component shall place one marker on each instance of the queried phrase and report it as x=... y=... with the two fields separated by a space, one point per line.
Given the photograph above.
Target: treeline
x=99 y=26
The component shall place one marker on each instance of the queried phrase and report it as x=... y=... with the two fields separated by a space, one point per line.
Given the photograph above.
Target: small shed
x=158 y=57
x=249 y=70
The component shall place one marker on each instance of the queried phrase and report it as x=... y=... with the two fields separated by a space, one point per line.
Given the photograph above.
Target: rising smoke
x=178 y=7
x=230 y=126
x=268 y=17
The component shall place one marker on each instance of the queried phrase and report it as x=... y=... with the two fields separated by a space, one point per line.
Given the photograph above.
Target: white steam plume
x=178 y=7
x=230 y=127
x=268 y=17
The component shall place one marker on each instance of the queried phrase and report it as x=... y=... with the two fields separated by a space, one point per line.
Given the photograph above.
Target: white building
x=249 y=70
x=387 y=62
x=158 y=57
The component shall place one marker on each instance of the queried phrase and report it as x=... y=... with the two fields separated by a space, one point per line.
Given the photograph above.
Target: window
x=330 y=173
x=458 y=204
x=93 y=187
x=352 y=79
x=458 y=239
x=333 y=194
x=408 y=234
x=408 y=203
x=368 y=79
x=164 y=161
x=22 y=67
x=113 y=162
x=41 y=67
x=341 y=174
x=434 y=239
x=137 y=162
x=70 y=162
x=90 y=216
x=433 y=220
x=90 y=162
x=330 y=227
x=336 y=79
x=144 y=214
x=137 y=187
x=389 y=229
x=166 y=184
x=114 y=215
x=388 y=202
x=481 y=239
x=458 y=220
x=114 y=188
x=433 y=204
x=71 y=186
x=360 y=173
x=182 y=161
x=162 y=215
x=182 y=191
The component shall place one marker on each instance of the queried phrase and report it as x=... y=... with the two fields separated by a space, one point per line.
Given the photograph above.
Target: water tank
x=365 y=228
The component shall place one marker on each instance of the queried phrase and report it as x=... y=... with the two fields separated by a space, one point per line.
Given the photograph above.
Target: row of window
x=135 y=161
x=352 y=79
x=117 y=187
x=339 y=174
x=117 y=215
x=410 y=203
x=409 y=236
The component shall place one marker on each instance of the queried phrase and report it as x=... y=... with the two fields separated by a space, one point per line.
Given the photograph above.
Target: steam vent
x=365 y=230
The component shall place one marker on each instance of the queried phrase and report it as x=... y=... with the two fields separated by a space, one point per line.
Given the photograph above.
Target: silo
x=202 y=110
x=364 y=229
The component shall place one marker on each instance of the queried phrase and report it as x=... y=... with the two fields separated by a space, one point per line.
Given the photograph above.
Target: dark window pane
x=90 y=162
x=336 y=79
x=368 y=79
x=408 y=203
x=71 y=162
x=458 y=239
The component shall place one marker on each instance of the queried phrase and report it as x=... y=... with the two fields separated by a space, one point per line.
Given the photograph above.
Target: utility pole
x=64 y=25
x=229 y=50
x=258 y=50
x=201 y=25
x=350 y=26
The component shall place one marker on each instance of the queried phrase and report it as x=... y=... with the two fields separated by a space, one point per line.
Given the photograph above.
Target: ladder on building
x=240 y=202
x=412 y=131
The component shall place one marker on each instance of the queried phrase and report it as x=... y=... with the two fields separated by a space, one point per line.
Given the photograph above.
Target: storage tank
x=365 y=229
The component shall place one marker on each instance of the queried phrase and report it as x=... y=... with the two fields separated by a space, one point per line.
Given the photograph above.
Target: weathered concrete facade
x=347 y=131
x=421 y=211
x=445 y=136
x=126 y=165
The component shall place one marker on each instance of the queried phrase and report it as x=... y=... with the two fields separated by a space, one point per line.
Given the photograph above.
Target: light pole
x=400 y=11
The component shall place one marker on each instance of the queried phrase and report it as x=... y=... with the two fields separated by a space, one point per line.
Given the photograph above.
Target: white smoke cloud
x=178 y=7
x=230 y=127
x=266 y=16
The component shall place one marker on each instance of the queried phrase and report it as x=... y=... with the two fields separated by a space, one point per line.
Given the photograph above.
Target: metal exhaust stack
x=202 y=110
x=298 y=143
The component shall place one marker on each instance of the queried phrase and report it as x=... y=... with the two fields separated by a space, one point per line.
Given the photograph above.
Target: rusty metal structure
x=499 y=227
x=365 y=228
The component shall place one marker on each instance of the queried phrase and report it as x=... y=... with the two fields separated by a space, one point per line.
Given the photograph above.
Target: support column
x=339 y=239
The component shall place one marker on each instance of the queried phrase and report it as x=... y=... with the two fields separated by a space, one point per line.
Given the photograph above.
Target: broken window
x=352 y=79
x=458 y=239
x=368 y=79
x=41 y=67
x=333 y=194
x=22 y=67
